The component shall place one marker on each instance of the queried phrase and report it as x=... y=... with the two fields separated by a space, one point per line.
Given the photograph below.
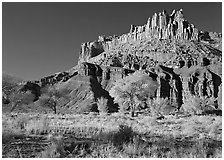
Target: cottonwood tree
x=132 y=90
x=51 y=97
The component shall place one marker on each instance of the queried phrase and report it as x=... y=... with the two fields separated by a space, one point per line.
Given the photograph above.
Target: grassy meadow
x=111 y=135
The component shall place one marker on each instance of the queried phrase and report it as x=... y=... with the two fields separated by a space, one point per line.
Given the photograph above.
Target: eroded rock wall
x=171 y=50
x=159 y=26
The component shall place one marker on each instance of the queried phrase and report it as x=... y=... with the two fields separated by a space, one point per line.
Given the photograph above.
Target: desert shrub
x=65 y=148
x=192 y=106
x=132 y=90
x=13 y=127
x=104 y=151
x=102 y=105
x=50 y=152
x=124 y=135
x=197 y=105
x=157 y=106
x=136 y=147
x=51 y=97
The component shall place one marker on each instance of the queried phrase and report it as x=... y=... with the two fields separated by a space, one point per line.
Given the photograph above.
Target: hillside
x=168 y=47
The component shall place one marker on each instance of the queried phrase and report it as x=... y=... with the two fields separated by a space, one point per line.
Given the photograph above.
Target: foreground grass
x=115 y=135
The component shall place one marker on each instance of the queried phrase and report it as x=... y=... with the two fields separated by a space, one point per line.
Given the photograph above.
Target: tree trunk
x=132 y=112
x=14 y=104
x=55 y=111
x=132 y=109
x=55 y=108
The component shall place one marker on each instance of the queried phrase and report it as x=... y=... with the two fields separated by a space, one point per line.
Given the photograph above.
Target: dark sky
x=39 y=39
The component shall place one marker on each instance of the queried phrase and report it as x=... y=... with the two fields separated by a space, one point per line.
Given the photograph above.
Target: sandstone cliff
x=183 y=60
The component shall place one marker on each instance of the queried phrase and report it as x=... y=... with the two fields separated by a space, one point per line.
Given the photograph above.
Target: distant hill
x=9 y=83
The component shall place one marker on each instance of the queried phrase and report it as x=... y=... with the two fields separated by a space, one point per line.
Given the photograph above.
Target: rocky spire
x=159 y=26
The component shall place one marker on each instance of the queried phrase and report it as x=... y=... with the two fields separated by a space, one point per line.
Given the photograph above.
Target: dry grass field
x=111 y=135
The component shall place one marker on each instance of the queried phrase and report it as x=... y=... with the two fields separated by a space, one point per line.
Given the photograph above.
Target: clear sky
x=39 y=39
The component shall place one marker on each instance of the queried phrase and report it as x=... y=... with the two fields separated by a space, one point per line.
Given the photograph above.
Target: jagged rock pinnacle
x=159 y=26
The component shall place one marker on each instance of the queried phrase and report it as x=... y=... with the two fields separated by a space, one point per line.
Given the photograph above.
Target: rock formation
x=159 y=26
x=183 y=60
x=33 y=87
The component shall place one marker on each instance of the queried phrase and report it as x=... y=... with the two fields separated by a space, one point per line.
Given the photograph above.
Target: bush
x=50 y=152
x=196 y=105
x=102 y=105
x=124 y=135
x=13 y=127
x=159 y=106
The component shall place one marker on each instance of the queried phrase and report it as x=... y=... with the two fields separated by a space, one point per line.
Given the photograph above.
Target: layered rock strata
x=182 y=59
x=159 y=26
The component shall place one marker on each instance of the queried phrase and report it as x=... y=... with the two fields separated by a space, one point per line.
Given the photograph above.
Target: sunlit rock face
x=183 y=60
x=159 y=26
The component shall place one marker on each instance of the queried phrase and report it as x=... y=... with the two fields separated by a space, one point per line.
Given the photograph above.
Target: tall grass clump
x=13 y=127
x=102 y=105
x=159 y=106
x=38 y=126
x=123 y=135
x=196 y=105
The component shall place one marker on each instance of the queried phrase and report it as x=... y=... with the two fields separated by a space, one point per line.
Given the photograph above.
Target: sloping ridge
x=84 y=94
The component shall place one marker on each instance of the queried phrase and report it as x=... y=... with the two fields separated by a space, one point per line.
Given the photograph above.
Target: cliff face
x=159 y=26
x=183 y=60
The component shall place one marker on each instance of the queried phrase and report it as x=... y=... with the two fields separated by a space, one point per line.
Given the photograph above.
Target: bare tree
x=51 y=97
x=19 y=98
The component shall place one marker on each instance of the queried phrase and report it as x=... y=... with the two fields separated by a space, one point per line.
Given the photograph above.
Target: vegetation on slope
x=114 y=135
